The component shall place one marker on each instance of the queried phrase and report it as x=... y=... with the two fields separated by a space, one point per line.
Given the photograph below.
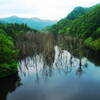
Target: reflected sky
x=66 y=77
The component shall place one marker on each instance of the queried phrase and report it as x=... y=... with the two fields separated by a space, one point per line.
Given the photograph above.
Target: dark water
x=57 y=75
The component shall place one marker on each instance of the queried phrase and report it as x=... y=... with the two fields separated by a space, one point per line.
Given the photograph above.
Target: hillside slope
x=83 y=23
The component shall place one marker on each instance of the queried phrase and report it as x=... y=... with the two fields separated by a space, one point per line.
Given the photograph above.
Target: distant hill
x=2 y=21
x=83 y=23
x=34 y=23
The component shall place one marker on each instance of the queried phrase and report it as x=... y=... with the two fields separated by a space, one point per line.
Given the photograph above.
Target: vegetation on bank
x=94 y=44
x=8 y=51
x=83 y=23
x=8 y=64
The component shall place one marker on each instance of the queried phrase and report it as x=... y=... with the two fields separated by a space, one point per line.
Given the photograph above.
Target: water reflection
x=63 y=62
x=77 y=48
x=53 y=68
x=35 y=43
x=8 y=85
x=66 y=77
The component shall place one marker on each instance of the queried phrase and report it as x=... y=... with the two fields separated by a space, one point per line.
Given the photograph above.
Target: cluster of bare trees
x=32 y=43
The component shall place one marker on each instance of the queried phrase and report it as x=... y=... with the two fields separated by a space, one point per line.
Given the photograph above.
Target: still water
x=60 y=76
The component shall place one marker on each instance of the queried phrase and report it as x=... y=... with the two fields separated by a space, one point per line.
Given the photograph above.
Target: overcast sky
x=44 y=9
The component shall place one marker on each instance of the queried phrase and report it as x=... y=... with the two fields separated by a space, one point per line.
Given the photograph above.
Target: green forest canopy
x=83 y=23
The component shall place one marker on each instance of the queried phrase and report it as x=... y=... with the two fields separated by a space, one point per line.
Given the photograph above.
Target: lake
x=60 y=71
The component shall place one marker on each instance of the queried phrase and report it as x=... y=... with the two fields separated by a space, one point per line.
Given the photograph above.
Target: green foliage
x=86 y=25
x=63 y=25
x=83 y=23
x=2 y=31
x=8 y=53
x=13 y=29
x=96 y=34
x=95 y=44
x=77 y=12
x=60 y=27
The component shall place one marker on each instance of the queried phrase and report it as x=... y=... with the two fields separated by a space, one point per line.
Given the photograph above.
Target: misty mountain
x=34 y=23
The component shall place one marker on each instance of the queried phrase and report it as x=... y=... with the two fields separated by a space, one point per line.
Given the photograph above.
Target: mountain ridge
x=34 y=23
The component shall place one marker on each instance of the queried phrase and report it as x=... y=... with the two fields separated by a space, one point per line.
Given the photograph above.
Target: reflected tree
x=8 y=85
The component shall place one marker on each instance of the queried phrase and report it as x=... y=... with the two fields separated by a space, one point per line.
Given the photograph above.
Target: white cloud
x=47 y=9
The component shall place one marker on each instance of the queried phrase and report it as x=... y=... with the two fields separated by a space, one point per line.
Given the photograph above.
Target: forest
x=8 y=50
x=83 y=23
